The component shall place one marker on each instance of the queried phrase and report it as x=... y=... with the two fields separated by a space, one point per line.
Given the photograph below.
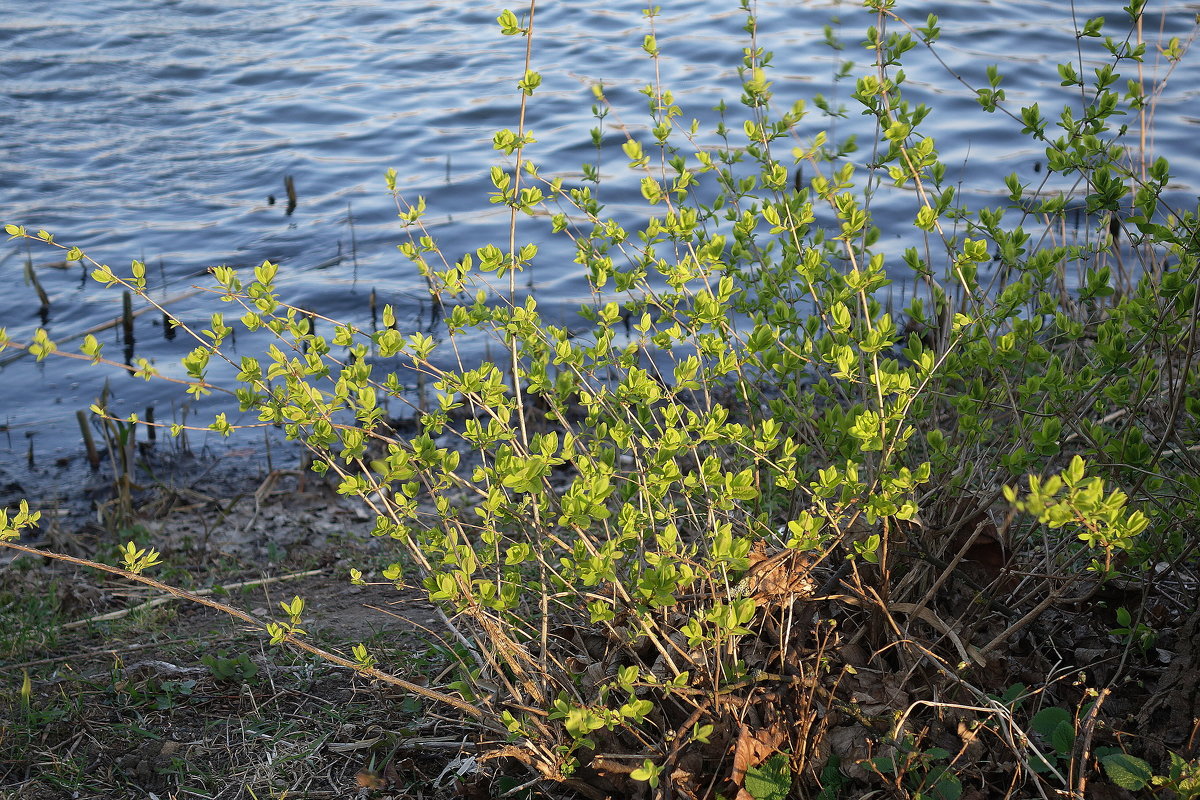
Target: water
x=159 y=129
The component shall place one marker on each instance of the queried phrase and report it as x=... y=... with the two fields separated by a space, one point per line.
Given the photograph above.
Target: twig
x=158 y=601
x=1056 y=595
x=967 y=652
x=1083 y=748
x=99 y=651
x=680 y=740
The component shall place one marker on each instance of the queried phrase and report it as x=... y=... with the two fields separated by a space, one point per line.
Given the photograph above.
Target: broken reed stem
x=289 y=186
x=89 y=442
x=31 y=276
x=353 y=236
x=21 y=352
x=127 y=316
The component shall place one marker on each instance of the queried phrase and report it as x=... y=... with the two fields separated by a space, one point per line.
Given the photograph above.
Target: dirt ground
x=108 y=691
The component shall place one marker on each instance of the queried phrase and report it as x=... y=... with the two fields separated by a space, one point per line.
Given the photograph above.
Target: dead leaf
x=783 y=576
x=367 y=779
x=752 y=749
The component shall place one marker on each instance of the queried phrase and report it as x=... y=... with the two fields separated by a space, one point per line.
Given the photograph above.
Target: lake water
x=159 y=129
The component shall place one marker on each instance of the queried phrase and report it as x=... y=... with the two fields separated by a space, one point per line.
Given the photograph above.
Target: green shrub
x=627 y=524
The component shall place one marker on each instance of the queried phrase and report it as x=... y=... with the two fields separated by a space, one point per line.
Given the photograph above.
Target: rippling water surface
x=160 y=129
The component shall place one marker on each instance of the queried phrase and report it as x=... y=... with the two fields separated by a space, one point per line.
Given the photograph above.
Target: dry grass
x=127 y=707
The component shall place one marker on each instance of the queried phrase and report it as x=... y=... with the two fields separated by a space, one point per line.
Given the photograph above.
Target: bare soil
x=128 y=707
x=175 y=700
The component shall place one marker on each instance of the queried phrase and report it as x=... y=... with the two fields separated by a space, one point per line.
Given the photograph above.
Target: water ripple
x=160 y=130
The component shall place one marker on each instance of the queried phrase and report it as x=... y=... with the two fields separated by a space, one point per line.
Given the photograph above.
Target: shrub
x=661 y=539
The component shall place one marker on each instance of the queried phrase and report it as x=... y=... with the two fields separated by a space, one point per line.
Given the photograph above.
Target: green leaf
x=509 y=26
x=943 y=784
x=1063 y=738
x=1125 y=770
x=1046 y=720
x=647 y=772
x=772 y=780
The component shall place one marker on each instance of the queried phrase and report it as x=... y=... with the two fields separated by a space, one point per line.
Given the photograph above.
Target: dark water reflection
x=158 y=129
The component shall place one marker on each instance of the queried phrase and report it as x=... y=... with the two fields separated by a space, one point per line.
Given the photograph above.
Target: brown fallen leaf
x=367 y=779
x=753 y=748
x=779 y=578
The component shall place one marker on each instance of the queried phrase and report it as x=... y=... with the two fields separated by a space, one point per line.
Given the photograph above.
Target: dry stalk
x=1083 y=745
x=158 y=601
